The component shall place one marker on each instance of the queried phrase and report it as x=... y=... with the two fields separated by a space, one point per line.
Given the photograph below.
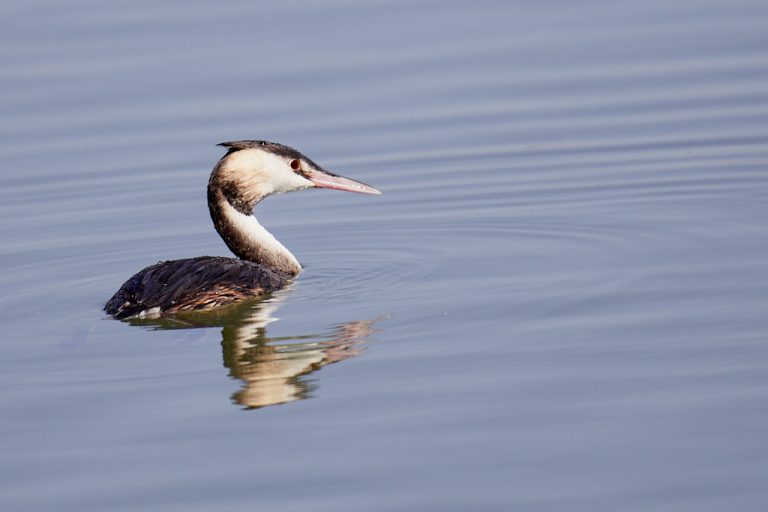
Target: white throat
x=258 y=242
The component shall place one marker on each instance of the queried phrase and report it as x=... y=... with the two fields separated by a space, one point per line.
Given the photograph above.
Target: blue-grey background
x=566 y=273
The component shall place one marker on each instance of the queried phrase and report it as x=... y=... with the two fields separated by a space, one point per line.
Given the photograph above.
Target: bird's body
x=249 y=172
x=193 y=284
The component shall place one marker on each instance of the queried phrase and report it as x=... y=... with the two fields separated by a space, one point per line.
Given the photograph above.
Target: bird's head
x=254 y=169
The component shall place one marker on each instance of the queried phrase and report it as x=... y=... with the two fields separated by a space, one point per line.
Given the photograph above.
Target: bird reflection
x=274 y=370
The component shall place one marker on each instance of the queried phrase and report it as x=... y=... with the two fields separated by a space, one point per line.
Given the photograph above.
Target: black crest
x=272 y=147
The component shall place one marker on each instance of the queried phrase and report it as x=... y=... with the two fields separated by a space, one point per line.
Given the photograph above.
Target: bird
x=249 y=171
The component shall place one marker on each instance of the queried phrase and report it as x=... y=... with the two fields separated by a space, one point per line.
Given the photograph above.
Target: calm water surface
x=559 y=303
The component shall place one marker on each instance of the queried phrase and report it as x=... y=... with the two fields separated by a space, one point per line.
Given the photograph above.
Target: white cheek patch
x=273 y=172
x=288 y=180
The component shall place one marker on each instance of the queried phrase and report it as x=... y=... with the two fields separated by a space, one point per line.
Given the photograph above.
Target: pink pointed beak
x=324 y=179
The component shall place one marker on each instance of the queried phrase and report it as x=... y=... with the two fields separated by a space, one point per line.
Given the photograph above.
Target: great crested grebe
x=250 y=171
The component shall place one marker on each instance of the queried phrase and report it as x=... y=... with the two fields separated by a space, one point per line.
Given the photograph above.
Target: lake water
x=559 y=303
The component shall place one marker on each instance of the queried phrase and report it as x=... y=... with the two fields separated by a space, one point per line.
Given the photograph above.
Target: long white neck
x=248 y=239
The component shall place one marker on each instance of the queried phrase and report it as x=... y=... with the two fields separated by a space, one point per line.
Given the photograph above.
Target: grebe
x=250 y=171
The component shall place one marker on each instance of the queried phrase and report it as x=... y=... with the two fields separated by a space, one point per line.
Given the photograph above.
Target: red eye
x=295 y=165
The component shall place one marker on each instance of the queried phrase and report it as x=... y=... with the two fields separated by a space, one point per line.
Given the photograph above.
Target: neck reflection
x=273 y=370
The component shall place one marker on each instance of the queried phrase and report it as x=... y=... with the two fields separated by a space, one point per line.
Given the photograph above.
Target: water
x=559 y=303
